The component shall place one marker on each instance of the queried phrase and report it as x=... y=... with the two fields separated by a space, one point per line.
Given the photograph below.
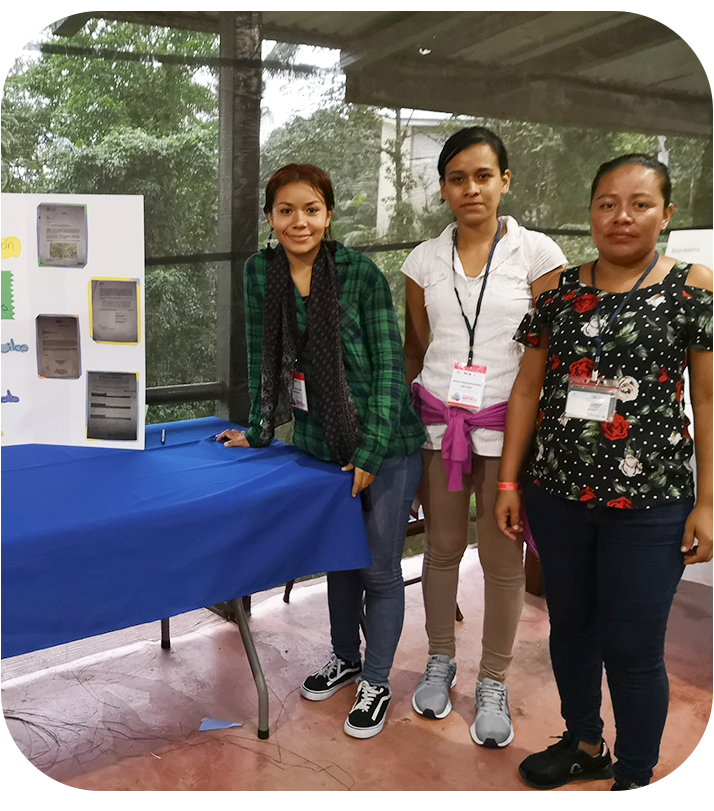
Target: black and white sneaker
x=617 y=786
x=325 y=682
x=367 y=716
x=563 y=763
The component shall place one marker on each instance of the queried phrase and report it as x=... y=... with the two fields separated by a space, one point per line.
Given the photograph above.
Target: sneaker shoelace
x=565 y=742
x=330 y=669
x=436 y=671
x=367 y=694
x=562 y=742
x=491 y=697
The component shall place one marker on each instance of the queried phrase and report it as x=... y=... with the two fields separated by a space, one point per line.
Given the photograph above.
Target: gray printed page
x=62 y=235
x=115 y=311
x=112 y=405
x=58 y=346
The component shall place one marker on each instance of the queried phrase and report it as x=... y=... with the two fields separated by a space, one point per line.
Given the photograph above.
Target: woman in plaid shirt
x=324 y=347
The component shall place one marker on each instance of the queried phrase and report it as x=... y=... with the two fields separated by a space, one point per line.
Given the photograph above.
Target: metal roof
x=609 y=69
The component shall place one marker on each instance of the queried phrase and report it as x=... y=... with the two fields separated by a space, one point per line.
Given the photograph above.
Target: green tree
x=75 y=124
x=344 y=141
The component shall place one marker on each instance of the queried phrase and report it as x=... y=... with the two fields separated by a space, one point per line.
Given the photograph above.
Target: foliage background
x=86 y=125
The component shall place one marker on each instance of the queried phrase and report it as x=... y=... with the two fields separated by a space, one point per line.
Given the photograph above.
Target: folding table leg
x=261 y=686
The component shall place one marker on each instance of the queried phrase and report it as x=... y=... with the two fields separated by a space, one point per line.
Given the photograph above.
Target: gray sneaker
x=492 y=727
x=431 y=698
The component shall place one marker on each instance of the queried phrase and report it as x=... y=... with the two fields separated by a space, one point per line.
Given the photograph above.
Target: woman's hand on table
x=231 y=438
x=699 y=527
x=361 y=480
x=507 y=511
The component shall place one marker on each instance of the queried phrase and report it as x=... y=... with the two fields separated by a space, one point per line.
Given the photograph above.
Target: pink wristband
x=508 y=485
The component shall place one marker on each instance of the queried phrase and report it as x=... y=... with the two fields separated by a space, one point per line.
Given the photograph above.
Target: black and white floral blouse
x=641 y=458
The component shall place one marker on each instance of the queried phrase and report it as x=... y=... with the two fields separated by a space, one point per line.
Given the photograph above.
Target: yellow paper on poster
x=11 y=247
x=114 y=311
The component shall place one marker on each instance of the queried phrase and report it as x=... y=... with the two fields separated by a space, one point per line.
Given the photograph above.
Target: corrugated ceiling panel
x=653 y=67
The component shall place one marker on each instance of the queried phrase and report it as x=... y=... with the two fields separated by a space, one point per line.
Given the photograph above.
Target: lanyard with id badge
x=468 y=381
x=298 y=395
x=595 y=398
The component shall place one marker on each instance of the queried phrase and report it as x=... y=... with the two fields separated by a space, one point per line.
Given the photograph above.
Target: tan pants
x=447 y=531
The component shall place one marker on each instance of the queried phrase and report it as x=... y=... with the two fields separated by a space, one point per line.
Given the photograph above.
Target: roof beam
x=602 y=47
x=206 y=22
x=69 y=26
x=410 y=31
x=461 y=89
x=192 y=21
x=582 y=32
x=491 y=24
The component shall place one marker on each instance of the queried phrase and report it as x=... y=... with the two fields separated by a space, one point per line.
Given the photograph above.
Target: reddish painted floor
x=124 y=716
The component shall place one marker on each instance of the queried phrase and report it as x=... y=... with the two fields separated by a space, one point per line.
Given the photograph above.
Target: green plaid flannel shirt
x=373 y=358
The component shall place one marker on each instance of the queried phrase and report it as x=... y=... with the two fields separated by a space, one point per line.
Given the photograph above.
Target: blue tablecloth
x=94 y=540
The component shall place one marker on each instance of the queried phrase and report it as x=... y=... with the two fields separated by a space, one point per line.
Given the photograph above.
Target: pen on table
x=163 y=436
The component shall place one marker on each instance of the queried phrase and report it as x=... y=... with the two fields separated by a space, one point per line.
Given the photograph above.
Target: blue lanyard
x=613 y=317
x=472 y=327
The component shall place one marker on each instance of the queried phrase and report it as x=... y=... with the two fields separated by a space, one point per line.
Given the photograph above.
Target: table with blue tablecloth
x=96 y=539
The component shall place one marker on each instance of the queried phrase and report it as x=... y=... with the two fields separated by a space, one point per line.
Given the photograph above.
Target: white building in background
x=420 y=151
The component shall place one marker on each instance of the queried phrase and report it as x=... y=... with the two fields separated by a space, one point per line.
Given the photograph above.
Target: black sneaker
x=563 y=763
x=337 y=673
x=633 y=788
x=367 y=716
x=625 y=786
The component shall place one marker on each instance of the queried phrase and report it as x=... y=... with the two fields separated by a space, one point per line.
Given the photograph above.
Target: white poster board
x=696 y=247
x=691 y=246
x=73 y=359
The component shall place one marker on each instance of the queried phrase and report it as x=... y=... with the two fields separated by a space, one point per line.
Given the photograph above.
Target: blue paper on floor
x=212 y=723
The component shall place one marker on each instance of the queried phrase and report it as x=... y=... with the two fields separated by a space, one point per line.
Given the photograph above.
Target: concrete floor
x=118 y=713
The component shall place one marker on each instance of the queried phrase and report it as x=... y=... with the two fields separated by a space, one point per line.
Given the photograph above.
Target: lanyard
x=472 y=327
x=613 y=317
x=302 y=338
x=302 y=343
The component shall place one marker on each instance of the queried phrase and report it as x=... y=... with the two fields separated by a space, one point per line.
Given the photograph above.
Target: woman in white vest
x=466 y=293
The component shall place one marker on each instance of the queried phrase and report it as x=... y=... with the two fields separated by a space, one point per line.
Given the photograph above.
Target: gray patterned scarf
x=329 y=392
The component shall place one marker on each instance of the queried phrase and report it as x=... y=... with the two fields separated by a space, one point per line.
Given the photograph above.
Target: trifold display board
x=73 y=359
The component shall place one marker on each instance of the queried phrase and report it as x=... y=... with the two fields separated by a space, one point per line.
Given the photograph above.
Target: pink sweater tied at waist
x=456 y=444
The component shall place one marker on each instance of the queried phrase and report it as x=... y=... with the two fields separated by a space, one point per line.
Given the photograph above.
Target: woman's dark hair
x=299 y=173
x=471 y=136
x=636 y=159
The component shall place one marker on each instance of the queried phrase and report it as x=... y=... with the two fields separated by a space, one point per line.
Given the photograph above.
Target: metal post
x=240 y=85
x=260 y=683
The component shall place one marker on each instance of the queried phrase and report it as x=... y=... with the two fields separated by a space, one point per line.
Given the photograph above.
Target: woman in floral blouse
x=609 y=488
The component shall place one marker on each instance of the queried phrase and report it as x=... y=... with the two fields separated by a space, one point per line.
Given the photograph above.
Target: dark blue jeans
x=380 y=585
x=610 y=576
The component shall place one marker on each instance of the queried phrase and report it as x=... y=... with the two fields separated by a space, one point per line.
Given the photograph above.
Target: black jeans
x=610 y=576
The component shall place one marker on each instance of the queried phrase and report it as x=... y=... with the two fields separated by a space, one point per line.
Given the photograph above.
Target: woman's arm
x=521 y=418
x=548 y=281
x=520 y=425
x=699 y=522
x=416 y=329
x=380 y=331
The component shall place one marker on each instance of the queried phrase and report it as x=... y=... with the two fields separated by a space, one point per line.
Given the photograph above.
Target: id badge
x=299 y=392
x=467 y=386
x=591 y=399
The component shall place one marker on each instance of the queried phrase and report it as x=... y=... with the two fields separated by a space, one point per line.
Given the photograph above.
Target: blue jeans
x=381 y=586
x=610 y=576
